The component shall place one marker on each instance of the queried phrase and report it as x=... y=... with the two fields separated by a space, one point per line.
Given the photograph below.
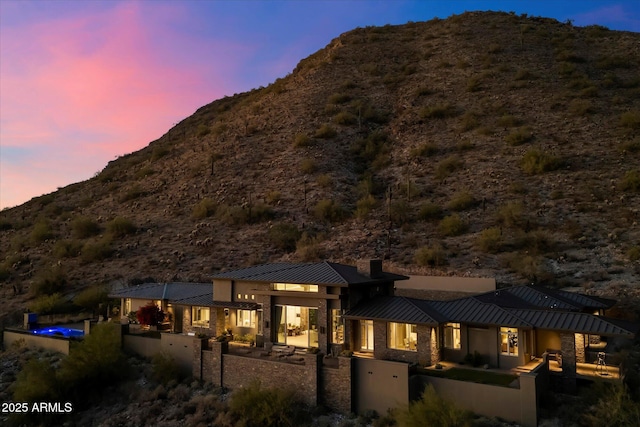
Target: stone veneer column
x=568 y=348
x=266 y=318
x=435 y=346
x=323 y=325
x=379 y=339
x=424 y=345
x=186 y=320
x=580 y=348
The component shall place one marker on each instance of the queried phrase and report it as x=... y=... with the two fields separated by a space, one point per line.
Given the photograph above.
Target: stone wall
x=336 y=386
x=239 y=371
x=568 y=348
x=580 y=348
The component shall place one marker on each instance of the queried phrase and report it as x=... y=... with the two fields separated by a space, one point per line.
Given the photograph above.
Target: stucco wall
x=144 y=346
x=60 y=345
x=380 y=385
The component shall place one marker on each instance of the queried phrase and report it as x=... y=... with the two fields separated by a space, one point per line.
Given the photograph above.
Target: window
x=296 y=325
x=509 y=341
x=246 y=318
x=295 y=287
x=403 y=336
x=366 y=334
x=200 y=316
x=452 y=335
x=337 y=326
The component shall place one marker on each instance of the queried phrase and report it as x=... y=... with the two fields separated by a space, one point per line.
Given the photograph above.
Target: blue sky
x=82 y=82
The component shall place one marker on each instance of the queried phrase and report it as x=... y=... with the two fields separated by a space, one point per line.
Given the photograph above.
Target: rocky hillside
x=485 y=144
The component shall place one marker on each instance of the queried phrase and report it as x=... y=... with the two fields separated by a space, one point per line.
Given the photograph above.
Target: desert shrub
x=260 y=212
x=49 y=281
x=41 y=231
x=165 y=368
x=535 y=161
x=308 y=166
x=490 y=240
x=90 y=298
x=615 y=407
x=324 y=180
x=372 y=148
x=469 y=121
x=325 y=132
x=308 y=247
x=580 y=107
x=158 y=152
x=219 y=128
x=302 y=140
x=83 y=227
x=144 y=172
x=132 y=193
x=523 y=74
x=5 y=272
x=424 y=150
x=630 y=119
x=631 y=181
x=633 y=253
x=399 y=211
x=284 y=236
x=96 y=251
x=461 y=200
x=339 y=98
x=511 y=215
x=257 y=406
x=452 y=225
x=447 y=166
x=232 y=215
x=36 y=382
x=474 y=84
x=5 y=224
x=434 y=411
x=364 y=206
x=120 y=227
x=328 y=210
x=536 y=242
x=433 y=256
x=345 y=118
x=204 y=208
x=49 y=304
x=429 y=211
x=439 y=111
x=632 y=146
x=67 y=248
x=273 y=197
x=519 y=136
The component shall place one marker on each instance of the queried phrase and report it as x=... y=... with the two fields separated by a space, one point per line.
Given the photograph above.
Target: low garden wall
x=57 y=344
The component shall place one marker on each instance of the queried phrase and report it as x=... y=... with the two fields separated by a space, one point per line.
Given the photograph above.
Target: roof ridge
x=330 y=265
x=553 y=294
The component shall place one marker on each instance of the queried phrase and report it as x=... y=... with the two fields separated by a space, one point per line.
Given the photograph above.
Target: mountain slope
x=483 y=144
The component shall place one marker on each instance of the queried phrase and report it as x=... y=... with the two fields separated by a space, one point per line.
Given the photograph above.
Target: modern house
x=297 y=310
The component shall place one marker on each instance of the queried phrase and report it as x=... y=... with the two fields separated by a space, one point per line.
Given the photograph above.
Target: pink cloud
x=90 y=87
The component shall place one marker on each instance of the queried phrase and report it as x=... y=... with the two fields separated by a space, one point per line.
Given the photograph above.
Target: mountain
x=485 y=144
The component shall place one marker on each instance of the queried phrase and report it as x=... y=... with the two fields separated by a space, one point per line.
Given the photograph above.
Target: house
x=336 y=309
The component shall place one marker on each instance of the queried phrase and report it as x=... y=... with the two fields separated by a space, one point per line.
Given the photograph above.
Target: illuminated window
x=295 y=287
x=246 y=318
x=200 y=316
x=337 y=327
x=509 y=341
x=403 y=336
x=452 y=335
x=366 y=334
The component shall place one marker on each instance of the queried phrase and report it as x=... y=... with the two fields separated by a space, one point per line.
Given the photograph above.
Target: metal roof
x=322 y=273
x=575 y=322
x=172 y=292
x=472 y=310
x=392 y=309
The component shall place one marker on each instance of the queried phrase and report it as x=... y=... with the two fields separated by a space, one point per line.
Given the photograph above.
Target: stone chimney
x=372 y=268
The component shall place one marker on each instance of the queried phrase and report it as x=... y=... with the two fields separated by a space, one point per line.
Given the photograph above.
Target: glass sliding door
x=280 y=325
x=297 y=326
x=366 y=335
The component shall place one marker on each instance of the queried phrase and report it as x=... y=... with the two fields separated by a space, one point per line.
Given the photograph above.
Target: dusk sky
x=82 y=82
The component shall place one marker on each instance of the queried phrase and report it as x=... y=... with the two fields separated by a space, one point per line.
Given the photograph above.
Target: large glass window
x=246 y=318
x=403 y=336
x=200 y=316
x=366 y=334
x=296 y=287
x=452 y=335
x=337 y=326
x=509 y=341
x=296 y=325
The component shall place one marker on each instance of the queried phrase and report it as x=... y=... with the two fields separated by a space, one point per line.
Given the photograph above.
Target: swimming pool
x=59 y=331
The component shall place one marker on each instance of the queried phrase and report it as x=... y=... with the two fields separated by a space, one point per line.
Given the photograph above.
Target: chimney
x=371 y=268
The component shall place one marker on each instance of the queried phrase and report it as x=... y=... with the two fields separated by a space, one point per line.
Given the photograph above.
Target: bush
x=165 y=368
x=440 y=111
x=630 y=119
x=433 y=411
x=364 y=206
x=120 y=227
x=284 y=236
x=345 y=118
x=325 y=132
x=328 y=210
x=324 y=180
x=490 y=240
x=150 y=315
x=631 y=181
x=90 y=298
x=580 y=107
x=36 y=382
x=255 y=406
x=339 y=98
x=83 y=227
x=67 y=248
x=308 y=166
x=49 y=304
x=49 y=281
x=424 y=150
x=308 y=247
x=633 y=253
x=519 y=136
x=535 y=161
x=461 y=200
x=433 y=256
x=511 y=215
x=41 y=231
x=302 y=140
x=446 y=167
x=132 y=193
x=204 y=208
x=97 y=251
x=429 y=211
x=452 y=225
